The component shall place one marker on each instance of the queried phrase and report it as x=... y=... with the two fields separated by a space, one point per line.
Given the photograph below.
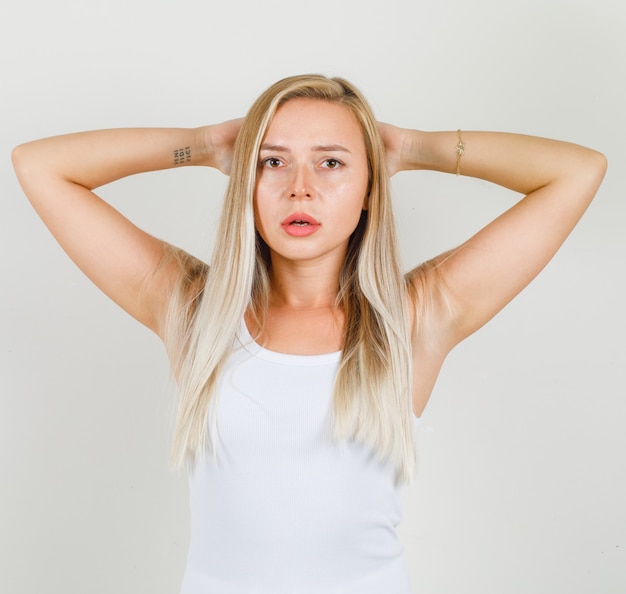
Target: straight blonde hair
x=372 y=391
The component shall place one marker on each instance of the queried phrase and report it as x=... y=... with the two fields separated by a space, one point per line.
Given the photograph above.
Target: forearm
x=518 y=162
x=92 y=159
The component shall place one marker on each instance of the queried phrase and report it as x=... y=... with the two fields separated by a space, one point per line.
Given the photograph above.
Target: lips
x=300 y=224
x=300 y=218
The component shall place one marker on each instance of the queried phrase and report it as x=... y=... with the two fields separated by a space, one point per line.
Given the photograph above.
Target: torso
x=281 y=507
x=315 y=331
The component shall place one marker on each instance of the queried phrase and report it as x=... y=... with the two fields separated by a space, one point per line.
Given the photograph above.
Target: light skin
x=313 y=162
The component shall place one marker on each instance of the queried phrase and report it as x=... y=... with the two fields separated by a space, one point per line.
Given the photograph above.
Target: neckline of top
x=249 y=344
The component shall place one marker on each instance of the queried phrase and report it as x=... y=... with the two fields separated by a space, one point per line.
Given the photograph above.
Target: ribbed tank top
x=282 y=509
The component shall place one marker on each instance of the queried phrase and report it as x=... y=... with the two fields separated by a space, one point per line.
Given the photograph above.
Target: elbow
x=17 y=157
x=597 y=166
x=28 y=163
x=590 y=171
x=20 y=159
x=27 y=169
x=605 y=163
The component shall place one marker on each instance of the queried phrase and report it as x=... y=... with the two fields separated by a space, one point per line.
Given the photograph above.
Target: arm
x=58 y=175
x=481 y=276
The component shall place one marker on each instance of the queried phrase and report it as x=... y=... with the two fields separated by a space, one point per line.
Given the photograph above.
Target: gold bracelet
x=460 y=151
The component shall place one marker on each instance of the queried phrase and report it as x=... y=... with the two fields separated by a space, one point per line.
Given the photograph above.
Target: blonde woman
x=304 y=356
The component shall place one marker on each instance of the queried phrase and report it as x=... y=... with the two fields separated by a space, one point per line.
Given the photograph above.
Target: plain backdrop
x=522 y=478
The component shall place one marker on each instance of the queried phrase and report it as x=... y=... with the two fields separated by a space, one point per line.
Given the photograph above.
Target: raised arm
x=58 y=175
x=476 y=280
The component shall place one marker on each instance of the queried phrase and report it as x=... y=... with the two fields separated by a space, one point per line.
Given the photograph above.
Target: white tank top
x=283 y=509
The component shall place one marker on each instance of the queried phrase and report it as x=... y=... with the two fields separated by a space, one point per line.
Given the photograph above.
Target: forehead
x=316 y=121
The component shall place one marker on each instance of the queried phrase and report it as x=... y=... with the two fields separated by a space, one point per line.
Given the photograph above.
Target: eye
x=332 y=164
x=271 y=163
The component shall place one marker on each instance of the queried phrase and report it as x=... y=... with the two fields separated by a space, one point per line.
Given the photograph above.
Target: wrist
x=204 y=147
x=217 y=143
x=440 y=151
x=413 y=150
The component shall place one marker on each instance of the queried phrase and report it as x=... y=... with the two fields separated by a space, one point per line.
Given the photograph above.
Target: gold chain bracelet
x=460 y=151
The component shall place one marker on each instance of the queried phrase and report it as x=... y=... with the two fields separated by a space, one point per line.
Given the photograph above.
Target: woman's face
x=312 y=180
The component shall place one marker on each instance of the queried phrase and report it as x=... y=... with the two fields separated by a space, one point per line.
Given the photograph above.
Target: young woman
x=304 y=356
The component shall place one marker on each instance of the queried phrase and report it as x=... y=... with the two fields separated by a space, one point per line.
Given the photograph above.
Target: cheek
x=348 y=215
x=261 y=212
x=355 y=196
x=263 y=194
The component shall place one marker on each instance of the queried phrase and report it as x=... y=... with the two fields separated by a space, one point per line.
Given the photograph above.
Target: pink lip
x=300 y=224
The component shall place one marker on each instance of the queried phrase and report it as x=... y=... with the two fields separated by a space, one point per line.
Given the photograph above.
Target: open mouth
x=300 y=224
x=300 y=219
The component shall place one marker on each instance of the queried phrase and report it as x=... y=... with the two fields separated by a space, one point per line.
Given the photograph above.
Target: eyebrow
x=320 y=148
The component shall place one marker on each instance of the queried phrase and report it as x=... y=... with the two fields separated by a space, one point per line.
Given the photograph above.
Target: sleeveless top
x=281 y=508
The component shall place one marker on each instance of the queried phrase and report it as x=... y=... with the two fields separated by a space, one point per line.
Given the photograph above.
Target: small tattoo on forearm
x=182 y=156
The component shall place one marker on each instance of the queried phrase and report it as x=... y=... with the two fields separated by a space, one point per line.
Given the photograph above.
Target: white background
x=522 y=483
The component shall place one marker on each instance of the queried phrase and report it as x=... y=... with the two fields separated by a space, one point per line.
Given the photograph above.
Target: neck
x=304 y=285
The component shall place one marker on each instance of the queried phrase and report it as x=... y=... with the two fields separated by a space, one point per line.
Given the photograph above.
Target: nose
x=300 y=183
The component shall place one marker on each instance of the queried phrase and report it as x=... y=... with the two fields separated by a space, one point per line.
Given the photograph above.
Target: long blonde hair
x=372 y=393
